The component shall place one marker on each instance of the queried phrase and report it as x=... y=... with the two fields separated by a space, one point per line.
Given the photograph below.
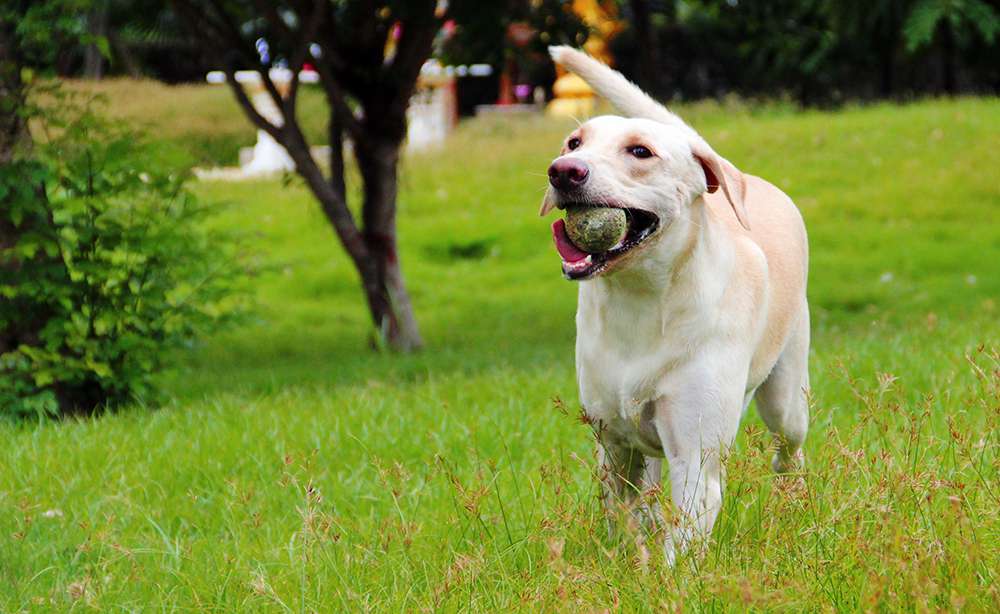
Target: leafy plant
x=956 y=15
x=105 y=267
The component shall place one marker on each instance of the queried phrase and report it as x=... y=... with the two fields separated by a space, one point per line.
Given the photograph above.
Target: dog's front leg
x=696 y=490
x=696 y=422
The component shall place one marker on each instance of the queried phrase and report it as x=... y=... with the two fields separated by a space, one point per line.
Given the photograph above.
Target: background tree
x=13 y=127
x=954 y=21
x=817 y=51
x=482 y=35
x=105 y=262
x=144 y=38
x=481 y=29
x=880 y=23
x=368 y=91
x=648 y=46
x=31 y=32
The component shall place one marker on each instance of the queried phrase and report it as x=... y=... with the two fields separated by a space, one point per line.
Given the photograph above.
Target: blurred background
x=814 y=51
x=365 y=109
x=281 y=330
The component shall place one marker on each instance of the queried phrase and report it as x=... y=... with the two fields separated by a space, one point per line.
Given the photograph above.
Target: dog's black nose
x=567 y=173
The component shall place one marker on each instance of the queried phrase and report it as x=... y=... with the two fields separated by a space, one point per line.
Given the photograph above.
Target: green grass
x=198 y=124
x=294 y=469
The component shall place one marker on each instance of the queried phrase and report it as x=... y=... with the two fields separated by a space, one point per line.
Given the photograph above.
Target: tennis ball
x=595 y=229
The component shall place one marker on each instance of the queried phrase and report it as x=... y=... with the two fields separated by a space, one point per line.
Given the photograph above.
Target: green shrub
x=106 y=265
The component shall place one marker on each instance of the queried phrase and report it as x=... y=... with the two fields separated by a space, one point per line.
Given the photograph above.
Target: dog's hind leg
x=782 y=400
x=626 y=475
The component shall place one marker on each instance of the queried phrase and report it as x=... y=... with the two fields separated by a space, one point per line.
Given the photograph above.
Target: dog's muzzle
x=579 y=265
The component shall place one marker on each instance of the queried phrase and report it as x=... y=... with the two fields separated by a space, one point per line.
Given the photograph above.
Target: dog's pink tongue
x=568 y=251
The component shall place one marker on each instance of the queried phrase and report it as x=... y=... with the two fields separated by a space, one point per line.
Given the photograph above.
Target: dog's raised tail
x=611 y=84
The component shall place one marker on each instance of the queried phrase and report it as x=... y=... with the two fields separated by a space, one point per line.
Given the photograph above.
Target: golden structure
x=573 y=97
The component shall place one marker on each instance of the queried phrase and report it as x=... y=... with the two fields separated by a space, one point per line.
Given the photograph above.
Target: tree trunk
x=948 y=61
x=97 y=25
x=373 y=251
x=13 y=129
x=887 y=72
x=887 y=64
x=887 y=31
x=352 y=63
x=385 y=290
x=12 y=135
x=15 y=145
x=649 y=71
x=335 y=131
x=124 y=55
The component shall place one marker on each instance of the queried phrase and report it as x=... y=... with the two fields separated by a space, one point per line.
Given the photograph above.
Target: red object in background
x=506 y=84
x=520 y=33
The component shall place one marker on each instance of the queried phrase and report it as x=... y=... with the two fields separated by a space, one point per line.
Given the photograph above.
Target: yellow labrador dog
x=698 y=309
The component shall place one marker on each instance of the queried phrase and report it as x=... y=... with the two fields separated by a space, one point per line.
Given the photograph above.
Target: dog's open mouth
x=578 y=264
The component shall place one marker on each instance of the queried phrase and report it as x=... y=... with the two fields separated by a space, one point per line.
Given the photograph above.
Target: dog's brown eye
x=639 y=151
x=573 y=143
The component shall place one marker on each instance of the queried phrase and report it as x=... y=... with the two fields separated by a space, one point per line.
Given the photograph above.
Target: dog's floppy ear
x=720 y=173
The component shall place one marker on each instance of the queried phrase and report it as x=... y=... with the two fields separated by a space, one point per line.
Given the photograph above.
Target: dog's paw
x=794 y=463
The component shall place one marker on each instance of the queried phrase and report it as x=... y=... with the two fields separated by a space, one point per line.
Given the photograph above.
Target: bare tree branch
x=336 y=99
x=308 y=34
x=333 y=205
x=362 y=39
x=352 y=35
x=335 y=131
x=414 y=45
x=231 y=32
x=289 y=135
x=365 y=33
x=213 y=31
x=247 y=105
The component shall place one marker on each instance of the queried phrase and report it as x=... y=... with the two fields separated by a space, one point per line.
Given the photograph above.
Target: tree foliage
x=818 y=51
x=105 y=268
x=481 y=29
x=963 y=17
x=368 y=56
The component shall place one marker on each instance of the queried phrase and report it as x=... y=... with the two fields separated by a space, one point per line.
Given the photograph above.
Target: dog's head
x=654 y=166
x=654 y=170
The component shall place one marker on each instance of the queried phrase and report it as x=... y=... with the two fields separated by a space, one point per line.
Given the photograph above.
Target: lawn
x=291 y=468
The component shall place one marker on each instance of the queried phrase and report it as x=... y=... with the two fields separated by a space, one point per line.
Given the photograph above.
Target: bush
x=105 y=266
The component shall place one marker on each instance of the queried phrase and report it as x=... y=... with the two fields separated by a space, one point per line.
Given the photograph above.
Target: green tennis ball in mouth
x=595 y=229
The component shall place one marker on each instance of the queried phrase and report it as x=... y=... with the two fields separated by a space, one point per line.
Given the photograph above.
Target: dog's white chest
x=614 y=385
x=618 y=385
x=621 y=356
